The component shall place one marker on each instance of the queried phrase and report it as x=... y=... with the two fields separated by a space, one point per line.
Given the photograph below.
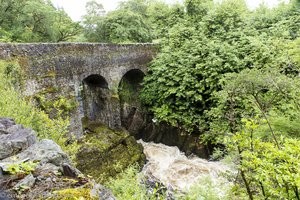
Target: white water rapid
x=172 y=168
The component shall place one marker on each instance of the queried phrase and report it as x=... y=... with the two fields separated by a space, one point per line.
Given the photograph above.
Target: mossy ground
x=73 y=194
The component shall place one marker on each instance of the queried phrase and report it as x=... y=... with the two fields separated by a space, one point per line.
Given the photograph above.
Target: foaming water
x=172 y=168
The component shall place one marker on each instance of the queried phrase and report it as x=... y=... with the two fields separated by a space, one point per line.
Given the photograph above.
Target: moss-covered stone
x=53 y=103
x=105 y=152
x=73 y=194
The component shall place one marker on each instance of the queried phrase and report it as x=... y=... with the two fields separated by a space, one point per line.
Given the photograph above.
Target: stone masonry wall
x=61 y=68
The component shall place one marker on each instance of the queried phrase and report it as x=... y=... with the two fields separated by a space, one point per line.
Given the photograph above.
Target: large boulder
x=32 y=169
x=105 y=152
x=44 y=151
x=6 y=123
x=15 y=140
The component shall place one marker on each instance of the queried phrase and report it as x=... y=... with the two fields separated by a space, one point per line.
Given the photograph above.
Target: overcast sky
x=76 y=8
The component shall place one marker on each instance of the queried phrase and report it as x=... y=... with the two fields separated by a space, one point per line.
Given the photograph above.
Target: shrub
x=127 y=185
x=14 y=105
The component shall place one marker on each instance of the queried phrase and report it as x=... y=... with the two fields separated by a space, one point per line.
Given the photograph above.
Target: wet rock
x=3 y=132
x=102 y=193
x=5 y=123
x=15 y=142
x=15 y=128
x=70 y=171
x=172 y=136
x=46 y=170
x=136 y=124
x=45 y=151
x=4 y=195
x=26 y=182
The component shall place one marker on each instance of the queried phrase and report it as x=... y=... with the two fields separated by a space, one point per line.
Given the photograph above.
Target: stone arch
x=95 y=98
x=96 y=80
x=130 y=107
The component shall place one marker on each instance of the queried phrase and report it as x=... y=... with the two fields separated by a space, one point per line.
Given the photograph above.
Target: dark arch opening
x=129 y=90
x=95 y=98
x=96 y=80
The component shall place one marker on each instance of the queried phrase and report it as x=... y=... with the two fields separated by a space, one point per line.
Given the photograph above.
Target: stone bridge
x=100 y=81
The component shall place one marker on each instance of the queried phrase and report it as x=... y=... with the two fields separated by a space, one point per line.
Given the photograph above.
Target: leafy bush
x=267 y=171
x=13 y=105
x=263 y=93
x=258 y=113
x=127 y=185
x=206 y=189
x=222 y=67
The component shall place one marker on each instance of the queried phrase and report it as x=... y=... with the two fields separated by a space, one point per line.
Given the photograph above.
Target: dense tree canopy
x=35 y=21
x=133 y=21
x=200 y=48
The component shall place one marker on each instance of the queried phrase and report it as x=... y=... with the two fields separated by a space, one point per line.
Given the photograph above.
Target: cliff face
x=33 y=169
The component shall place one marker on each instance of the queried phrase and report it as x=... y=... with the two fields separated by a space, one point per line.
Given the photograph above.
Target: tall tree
x=35 y=21
x=132 y=21
x=93 y=22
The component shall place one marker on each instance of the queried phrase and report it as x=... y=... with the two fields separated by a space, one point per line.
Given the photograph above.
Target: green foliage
x=197 y=8
x=126 y=26
x=205 y=189
x=258 y=113
x=121 y=25
x=93 y=22
x=35 y=21
x=13 y=105
x=232 y=74
x=262 y=93
x=201 y=48
x=188 y=70
x=267 y=171
x=59 y=106
x=127 y=185
x=133 y=21
x=73 y=194
x=21 y=168
x=294 y=51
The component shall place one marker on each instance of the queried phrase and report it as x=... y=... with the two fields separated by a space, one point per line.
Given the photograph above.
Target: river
x=175 y=170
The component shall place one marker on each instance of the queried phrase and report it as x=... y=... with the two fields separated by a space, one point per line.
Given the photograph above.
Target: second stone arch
x=131 y=111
